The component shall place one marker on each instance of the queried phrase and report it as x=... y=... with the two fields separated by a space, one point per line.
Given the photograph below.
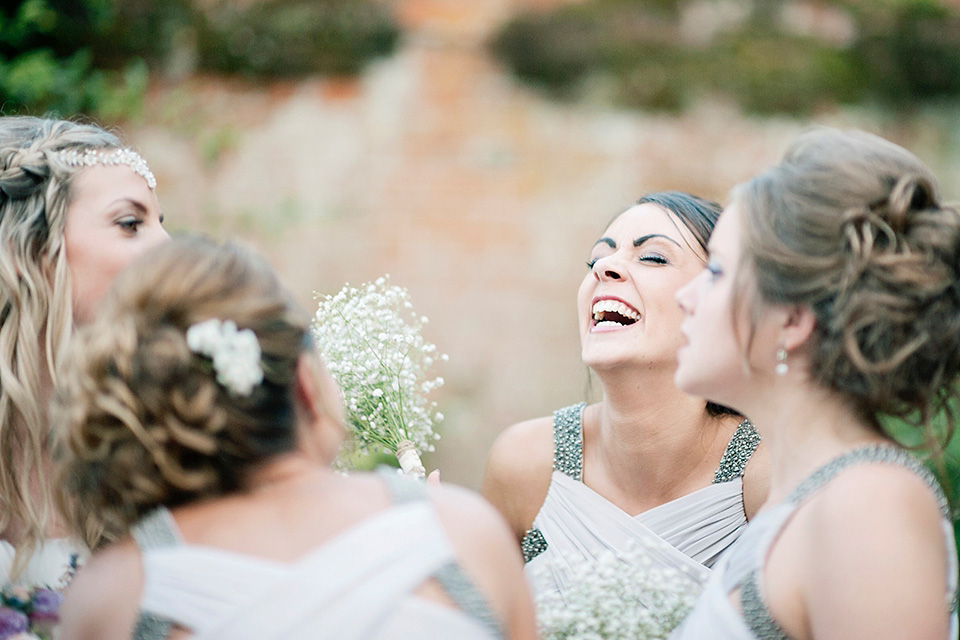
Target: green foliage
x=945 y=465
x=39 y=74
x=902 y=53
x=95 y=56
x=295 y=37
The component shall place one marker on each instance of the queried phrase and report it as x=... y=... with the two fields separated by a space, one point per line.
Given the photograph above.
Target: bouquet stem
x=410 y=460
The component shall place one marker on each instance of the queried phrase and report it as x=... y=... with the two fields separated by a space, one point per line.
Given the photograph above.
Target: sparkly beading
x=533 y=544
x=755 y=611
x=109 y=157
x=154 y=531
x=735 y=457
x=451 y=576
x=568 y=440
x=568 y=459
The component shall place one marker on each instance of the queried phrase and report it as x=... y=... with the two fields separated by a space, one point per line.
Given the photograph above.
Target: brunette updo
x=852 y=227
x=145 y=421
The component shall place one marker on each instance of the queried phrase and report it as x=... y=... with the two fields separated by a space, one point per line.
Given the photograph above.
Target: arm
x=870 y=561
x=518 y=472
x=103 y=598
x=488 y=555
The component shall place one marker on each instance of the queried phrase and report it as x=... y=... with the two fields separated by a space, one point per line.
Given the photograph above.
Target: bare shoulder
x=877 y=555
x=103 y=598
x=518 y=471
x=868 y=495
x=488 y=554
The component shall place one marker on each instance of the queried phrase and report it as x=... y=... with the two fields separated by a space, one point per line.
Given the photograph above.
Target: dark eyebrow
x=639 y=241
x=607 y=241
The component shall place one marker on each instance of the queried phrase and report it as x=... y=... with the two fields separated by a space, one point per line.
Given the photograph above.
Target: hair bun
x=910 y=194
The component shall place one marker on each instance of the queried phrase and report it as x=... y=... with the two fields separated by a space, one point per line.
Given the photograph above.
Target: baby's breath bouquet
x=624 y=596
x=371 y=343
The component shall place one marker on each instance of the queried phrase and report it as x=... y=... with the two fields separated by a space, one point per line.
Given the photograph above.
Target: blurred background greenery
x=892 y=66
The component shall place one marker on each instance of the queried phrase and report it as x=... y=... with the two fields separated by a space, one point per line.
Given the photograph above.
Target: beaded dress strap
x=155 y=530
x=567 y=458
x=451 y=576
x=737 y=454
x=876 y=453
x=755 y=611
x=568 y=440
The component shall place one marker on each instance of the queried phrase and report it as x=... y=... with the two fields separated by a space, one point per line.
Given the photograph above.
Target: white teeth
x=613 y=306
x=608 y=323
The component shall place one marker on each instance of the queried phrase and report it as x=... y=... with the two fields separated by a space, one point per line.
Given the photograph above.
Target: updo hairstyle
x=146 y=423
x=852 y=227
x=36 y=317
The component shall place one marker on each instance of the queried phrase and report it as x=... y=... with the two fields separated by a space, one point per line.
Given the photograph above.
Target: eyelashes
x=654 y=258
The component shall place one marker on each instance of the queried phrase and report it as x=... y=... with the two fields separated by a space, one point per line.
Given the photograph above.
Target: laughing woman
x=832 y=300
x=648 y=466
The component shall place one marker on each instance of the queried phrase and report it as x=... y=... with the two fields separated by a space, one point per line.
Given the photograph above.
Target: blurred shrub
x=44 y=67
x=93 y=56
x=901 y=52
x=264 y=38
x=911 y=51
x=295 y=37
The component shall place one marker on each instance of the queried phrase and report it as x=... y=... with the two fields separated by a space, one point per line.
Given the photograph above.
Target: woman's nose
x=685 y=296
x=606 y=269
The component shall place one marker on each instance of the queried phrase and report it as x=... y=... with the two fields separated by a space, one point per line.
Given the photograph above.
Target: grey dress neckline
x=568 y=459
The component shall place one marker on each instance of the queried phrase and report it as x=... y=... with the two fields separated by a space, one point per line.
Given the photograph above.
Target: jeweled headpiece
x=109 y=157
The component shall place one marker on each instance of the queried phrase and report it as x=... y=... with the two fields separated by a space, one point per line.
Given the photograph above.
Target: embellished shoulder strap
x=755 y=611
x=876 y=453
x=462 y=590
x=735 y=457
x=451 y=576
x=568 y=440
x=567 y=458
x=155 y=530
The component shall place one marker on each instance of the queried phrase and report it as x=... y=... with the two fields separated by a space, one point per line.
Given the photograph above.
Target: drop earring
x=781 y=367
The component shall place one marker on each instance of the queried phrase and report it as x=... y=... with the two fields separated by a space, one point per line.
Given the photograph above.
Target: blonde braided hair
x=36 y=319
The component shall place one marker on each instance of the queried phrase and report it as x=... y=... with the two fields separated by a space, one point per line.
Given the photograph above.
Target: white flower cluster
x=371 y=343
x=235 y=353
x=625 y=596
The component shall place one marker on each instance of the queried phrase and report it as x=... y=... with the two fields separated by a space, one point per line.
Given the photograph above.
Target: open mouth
x=613 y=313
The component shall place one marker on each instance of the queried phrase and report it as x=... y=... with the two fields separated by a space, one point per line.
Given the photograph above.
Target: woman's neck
x=285 y=472
x=647 y=434
x=804 y=426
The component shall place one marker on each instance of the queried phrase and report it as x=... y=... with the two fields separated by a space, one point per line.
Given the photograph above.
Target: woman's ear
x=323 y=424
x=798 y=325
x=308 y=389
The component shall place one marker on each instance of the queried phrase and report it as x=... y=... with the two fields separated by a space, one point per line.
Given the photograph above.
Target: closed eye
x=655 y=258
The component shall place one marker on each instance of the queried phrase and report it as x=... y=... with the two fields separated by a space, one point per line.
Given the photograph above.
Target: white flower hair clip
x=235 y=353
